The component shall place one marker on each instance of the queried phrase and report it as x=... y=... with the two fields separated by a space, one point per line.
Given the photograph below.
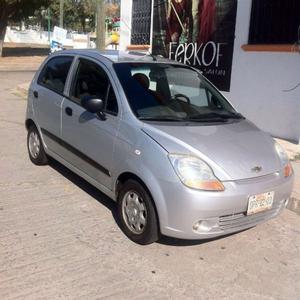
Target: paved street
x=59 y=238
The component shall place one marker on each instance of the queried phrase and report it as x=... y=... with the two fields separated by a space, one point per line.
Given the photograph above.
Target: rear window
x=55 y=73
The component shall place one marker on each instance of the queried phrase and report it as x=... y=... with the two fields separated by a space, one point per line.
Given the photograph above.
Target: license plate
x=260 y=202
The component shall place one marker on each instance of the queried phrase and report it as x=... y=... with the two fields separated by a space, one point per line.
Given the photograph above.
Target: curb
x=292 y=150
x=21 y=63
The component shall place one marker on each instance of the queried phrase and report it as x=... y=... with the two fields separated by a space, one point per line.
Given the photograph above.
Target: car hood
x=232 y=150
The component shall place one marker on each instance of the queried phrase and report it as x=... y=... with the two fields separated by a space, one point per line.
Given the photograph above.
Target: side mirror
x=93 y=105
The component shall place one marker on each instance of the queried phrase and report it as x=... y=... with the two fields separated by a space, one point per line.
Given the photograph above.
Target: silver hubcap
x=34 y=144
x=134 y=212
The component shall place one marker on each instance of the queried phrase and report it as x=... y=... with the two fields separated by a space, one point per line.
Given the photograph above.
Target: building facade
x=259 y=68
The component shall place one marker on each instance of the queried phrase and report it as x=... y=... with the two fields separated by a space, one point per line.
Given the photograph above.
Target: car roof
x=116 y=56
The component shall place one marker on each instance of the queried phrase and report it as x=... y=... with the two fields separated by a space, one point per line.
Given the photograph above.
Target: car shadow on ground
x=111 y=205
x=170 y=241
x=85 y=186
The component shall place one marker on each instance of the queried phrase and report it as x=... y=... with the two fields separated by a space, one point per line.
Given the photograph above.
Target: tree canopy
x=79 y=15
x=16 y=10
x=76 y=12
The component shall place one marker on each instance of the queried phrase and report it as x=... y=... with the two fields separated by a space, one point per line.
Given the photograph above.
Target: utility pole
x=100 y=27
x=49 y=23
x=61 y=13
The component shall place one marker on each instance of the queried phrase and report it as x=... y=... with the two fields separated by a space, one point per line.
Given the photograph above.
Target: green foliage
x=75 y=14
x=18 y=10
x=79 y=15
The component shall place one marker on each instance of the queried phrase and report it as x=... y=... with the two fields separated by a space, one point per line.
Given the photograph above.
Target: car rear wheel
x=137 y=214
x=35 y=147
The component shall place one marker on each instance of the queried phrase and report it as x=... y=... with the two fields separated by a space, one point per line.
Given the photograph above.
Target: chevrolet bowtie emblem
x=256 y=169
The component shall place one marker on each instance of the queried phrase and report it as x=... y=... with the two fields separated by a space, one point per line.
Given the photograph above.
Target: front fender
x=147 y=160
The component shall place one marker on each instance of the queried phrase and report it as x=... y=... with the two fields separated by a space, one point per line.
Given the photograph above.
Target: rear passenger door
x=48 y=94
x=89 y=139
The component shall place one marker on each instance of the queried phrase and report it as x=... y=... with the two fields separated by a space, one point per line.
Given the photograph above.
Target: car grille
x=241 y=220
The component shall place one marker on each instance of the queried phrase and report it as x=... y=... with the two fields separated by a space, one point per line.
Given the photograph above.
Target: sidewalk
x=293 y=150
x=20 y=63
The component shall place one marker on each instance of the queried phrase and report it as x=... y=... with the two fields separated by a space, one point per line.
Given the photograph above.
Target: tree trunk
x=61 y=13
x=3 y=24
x=100 y=29
x=83 y=25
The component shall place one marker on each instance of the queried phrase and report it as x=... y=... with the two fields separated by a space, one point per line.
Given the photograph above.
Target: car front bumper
x=193 y=214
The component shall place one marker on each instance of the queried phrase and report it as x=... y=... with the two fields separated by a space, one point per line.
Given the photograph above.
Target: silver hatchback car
x=159 y=139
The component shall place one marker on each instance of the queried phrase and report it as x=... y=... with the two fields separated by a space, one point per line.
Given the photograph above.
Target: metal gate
x=141 y=22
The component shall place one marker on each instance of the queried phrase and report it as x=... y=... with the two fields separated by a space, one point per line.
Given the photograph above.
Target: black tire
x=150 y=233
x=38 y=157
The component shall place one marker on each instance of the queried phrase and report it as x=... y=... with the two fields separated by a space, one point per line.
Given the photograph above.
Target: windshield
x=166 y=92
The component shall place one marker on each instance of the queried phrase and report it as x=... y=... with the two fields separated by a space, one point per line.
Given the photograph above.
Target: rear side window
x=55 y=73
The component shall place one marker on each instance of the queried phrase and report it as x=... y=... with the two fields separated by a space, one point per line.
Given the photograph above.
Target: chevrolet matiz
x=159 y=139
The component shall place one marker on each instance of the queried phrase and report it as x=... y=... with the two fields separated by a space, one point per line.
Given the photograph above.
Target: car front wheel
x=137 y=213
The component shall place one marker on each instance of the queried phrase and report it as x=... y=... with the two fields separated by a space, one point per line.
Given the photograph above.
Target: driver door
x=88 y=139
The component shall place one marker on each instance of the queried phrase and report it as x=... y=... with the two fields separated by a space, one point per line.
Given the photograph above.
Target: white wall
x=30 y=36
x=259 y=80
x=125 y=30
x=26 y=36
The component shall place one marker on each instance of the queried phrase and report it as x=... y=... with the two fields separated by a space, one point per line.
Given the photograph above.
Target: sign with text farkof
x=199 y=33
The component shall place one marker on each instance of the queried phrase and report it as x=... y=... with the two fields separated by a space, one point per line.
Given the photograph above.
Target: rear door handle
x=69 y=111
x=35 y=94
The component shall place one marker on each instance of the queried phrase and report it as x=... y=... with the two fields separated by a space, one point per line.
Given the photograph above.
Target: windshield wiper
x=237 y=116
x=215 y=117
x=163 y=118
x=207 y=118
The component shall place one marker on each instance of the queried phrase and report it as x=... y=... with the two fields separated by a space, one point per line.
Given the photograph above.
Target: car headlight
x=195 y=173
x=288 y=170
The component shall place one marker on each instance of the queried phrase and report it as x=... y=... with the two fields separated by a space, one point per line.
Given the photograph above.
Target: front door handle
x=69 y=111
x=35 y=94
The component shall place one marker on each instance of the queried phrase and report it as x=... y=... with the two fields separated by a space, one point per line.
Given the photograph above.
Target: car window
x=177 y=93
x=91 y=81
x=146 y=72
x=197 y=96
x=184 y=82
x=111 y=102
x=55 y=73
